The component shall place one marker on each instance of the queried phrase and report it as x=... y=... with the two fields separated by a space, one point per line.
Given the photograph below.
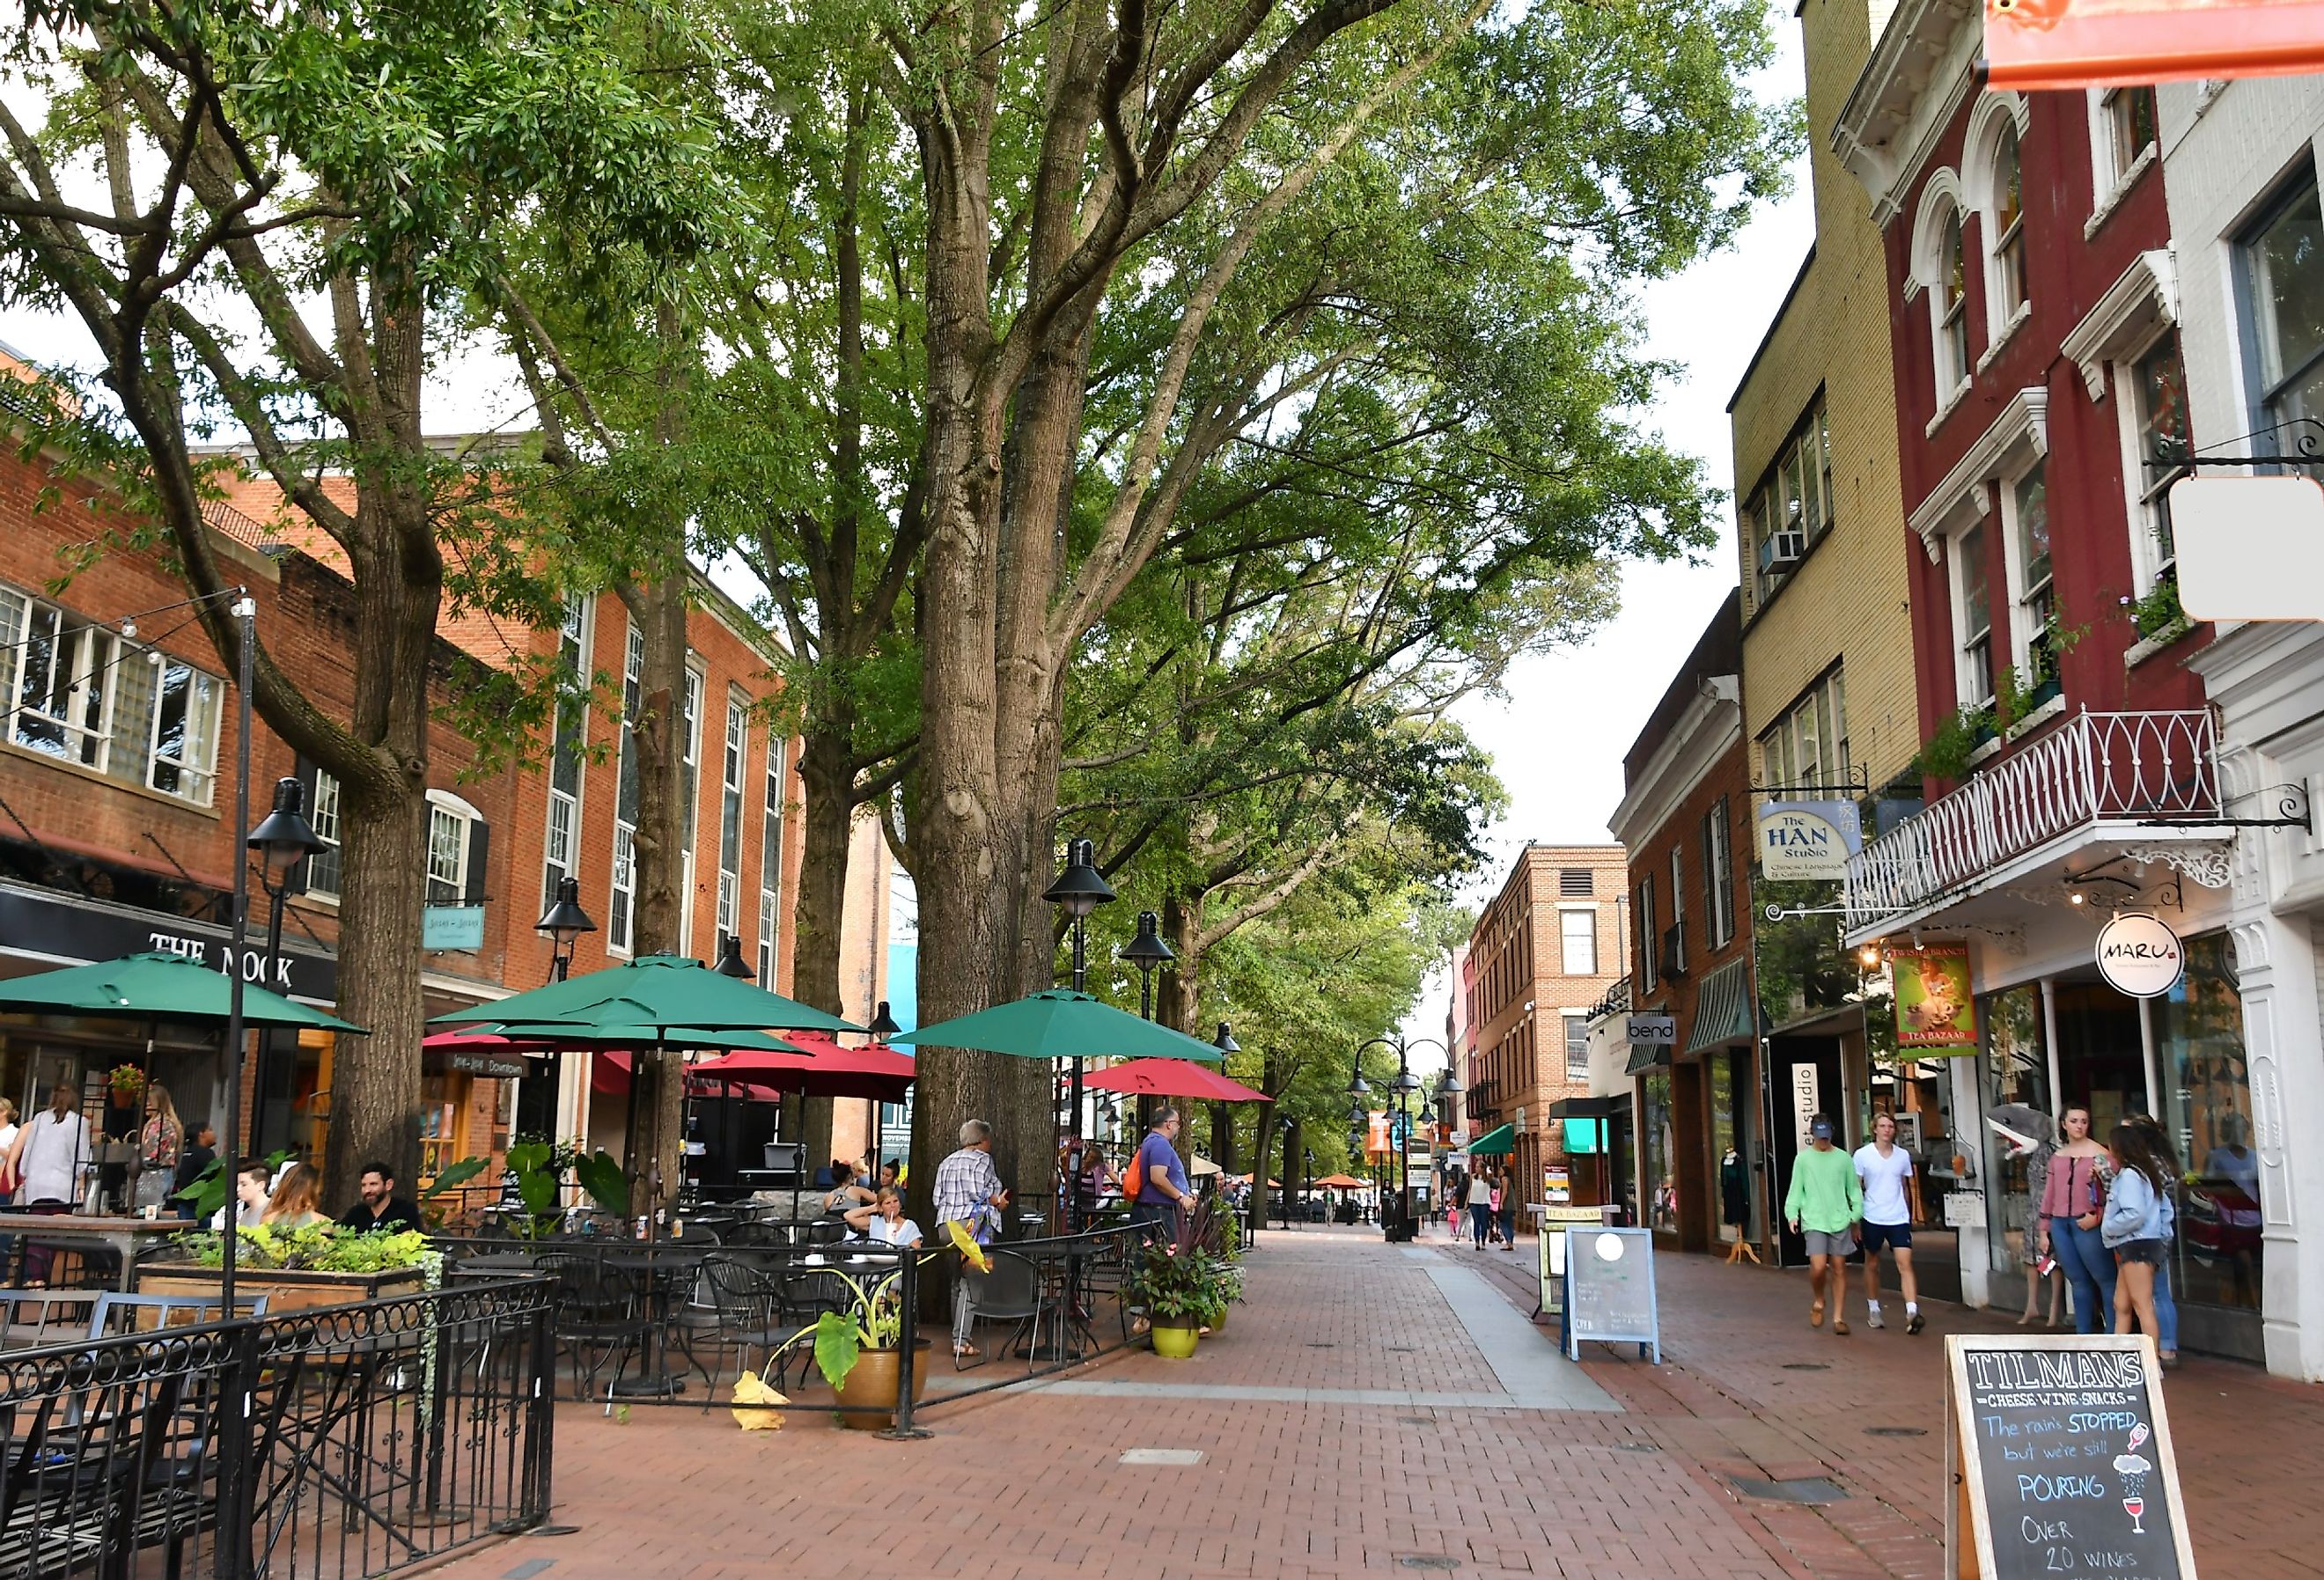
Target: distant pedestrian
x=2073 y=1202
x=1505 y=1204
x=968 y=1191
x=1884 y=1172
x=201 y=1151
x=2166 y=1309
x=1480 y=1208
x=2132 y=1228
x=1822 y=1206
x=1160 y=1177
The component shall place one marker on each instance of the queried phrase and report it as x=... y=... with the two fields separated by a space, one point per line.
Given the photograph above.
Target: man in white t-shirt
x=1886 y=1170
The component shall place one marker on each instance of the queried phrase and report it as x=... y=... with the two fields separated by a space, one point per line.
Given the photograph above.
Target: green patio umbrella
x=156 y=986
x=1057 y=1024
x=668 y=989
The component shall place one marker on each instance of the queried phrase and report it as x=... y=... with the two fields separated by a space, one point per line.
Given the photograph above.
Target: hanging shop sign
x=1934 y=1005
x=1376 y=1135
x=2105 y=43
x=2140 y=956
x=1655 y=1030
x=452 y=926
x=1808 y=839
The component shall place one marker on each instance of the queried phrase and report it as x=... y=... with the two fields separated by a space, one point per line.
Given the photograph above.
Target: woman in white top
x=51 y=1156
x=9 y=1130
x=884 y=1222
x=1886 y=1170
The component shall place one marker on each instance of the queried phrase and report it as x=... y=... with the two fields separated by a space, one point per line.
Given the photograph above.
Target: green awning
x=1646 y=1056
x=1495 y=1143
x=1722 y=1008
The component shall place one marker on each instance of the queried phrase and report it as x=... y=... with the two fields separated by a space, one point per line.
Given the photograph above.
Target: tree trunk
x=659 y=737
x=1179 y=1005
x=828 y=781
x=374 y=1092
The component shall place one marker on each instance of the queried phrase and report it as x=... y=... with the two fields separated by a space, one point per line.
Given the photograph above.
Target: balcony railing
x=2093 y=768
x=1616 y=1001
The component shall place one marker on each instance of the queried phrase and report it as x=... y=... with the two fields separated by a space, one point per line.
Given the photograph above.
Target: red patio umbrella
x=877 y=1073
x=609 y=1074
x=1173 y=1077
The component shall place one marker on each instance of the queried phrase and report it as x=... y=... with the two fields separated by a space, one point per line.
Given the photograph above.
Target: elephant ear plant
x=873 y=1320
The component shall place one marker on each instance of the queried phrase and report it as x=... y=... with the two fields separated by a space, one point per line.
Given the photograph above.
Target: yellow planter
x=1176 y=1343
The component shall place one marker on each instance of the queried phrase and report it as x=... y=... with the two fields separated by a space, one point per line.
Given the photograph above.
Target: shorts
x=1895 y=1236
x=2149 y=1252
x=1829 y=1242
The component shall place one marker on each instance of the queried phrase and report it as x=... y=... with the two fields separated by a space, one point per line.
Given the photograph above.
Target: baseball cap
x=1821 y=1129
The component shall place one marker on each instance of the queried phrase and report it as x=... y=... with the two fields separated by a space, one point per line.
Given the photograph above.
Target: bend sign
x=1808 y=839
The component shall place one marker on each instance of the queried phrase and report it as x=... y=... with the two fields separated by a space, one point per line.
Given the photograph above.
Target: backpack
x=1133 y=1178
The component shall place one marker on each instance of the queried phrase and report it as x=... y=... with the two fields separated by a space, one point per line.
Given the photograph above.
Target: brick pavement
x=1028 y=1483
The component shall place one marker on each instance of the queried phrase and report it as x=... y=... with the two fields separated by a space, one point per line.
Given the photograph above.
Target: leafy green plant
x=318 y=1248
x=874 y=1319
x=2160 y=610
x=1946 y=754
x=603 y=1179
x=437 y=1200
x=1185 y=1279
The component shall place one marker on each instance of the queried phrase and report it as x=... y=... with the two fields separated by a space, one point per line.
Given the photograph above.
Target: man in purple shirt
x=1162 y=1193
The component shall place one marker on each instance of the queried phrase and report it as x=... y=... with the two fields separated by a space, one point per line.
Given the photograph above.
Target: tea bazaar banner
x=2100 y=43
x=1934 y=1006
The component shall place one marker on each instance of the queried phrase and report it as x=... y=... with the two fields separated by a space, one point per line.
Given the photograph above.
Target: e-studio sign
x=2140 y=956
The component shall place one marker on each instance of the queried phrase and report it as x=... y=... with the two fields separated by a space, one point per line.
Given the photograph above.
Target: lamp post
x=564 y=923
x=280 y=842
x=1447 y=1089
x=730 y=959
x=1079 y=889
x=882 y=1026
x=1148 y=953
x=1401 y=1090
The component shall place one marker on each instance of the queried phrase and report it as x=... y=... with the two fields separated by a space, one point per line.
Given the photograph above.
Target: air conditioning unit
x=1782 y=551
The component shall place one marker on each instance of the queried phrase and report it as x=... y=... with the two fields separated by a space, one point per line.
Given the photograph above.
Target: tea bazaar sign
x=1808 y=839
x=2140 y=956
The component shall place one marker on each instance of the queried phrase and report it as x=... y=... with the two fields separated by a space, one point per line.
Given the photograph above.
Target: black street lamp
x=564 y=921
x=730 y=959
x=1079 y=889
x=882 y=1026
x=1400 y=1092
x=1149 y=954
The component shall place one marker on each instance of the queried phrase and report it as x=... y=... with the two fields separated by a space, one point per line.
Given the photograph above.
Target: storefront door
x=1807 y=1082
x=1919 y=1093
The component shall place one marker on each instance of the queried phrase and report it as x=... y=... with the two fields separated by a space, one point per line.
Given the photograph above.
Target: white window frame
x=323 y=818
x=730 y=793
x=451 y=818
x=564 y=811
x=2112 y=168
x=1998 y=117
x=1650 y=937
x=205 y=693
x=1678 y=898
x=1941 y=202
x=1576 y=1020
x=1719 y=875
x=2269 y=410
x=2024 y=628
x=1566 y=939
x=622 y=900
x=1969 y=689
x=89 y=656
x=690 y=784
x=770 y=856
x=2147 y=499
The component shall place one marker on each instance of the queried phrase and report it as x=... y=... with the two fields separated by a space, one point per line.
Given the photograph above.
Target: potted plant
x=127 y=1084
x=301 y=1268
x=860 y=1352
x=1184 y=1284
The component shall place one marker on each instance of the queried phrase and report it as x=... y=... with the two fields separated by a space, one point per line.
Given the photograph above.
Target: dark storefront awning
x=1591 y=1107
x=1494 y=1143
x=1722 y=1008
x=1646 y=1056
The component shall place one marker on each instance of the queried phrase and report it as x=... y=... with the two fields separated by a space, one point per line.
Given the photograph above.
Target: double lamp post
x=1401 y=1092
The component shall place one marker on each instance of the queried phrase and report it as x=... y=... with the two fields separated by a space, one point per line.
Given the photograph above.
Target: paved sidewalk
x=1350 y=1421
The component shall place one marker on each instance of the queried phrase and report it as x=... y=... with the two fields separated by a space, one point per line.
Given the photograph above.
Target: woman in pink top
x=2071 y=1204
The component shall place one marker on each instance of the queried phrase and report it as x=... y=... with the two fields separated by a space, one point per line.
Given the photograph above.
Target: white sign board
x=1658 y=1030
x=2249 y=547
x=1964 y=1209
x=1807 y=1099
x=2140 y=956
x=1808 y=839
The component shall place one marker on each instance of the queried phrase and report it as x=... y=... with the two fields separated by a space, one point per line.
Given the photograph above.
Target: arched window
x=1952 y=306
x=2007 y=241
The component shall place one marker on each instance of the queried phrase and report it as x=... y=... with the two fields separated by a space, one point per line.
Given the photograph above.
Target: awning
x=1591 y=1107
x=1494 y=1143
x=1646 y=1056
x=1722 y=1008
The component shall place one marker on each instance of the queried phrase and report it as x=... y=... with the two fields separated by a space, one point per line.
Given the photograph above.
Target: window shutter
x=304 y=773
x=480 y=847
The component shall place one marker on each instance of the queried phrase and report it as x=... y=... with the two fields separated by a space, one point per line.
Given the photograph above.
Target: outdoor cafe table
x=125 y=1237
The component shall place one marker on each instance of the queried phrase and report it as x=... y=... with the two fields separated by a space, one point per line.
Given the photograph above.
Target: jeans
x=1481 y=1223
x=1509 y=1225
x=2166 y=1309
x=2089 y=1267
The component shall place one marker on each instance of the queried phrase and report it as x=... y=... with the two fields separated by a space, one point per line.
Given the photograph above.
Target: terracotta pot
x=867 y=1401
x=1176 y=1341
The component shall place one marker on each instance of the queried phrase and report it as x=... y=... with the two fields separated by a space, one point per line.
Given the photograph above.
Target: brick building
x=1684 y=820
x=1544 y=949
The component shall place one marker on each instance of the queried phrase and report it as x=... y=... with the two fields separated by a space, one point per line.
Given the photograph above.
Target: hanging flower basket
x=126 y=1082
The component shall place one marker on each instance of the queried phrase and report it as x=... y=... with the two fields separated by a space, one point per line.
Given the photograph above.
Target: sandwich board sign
x=1609 y=1291
x=2059 y=1451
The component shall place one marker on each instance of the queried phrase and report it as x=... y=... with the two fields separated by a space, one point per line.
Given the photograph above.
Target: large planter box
x=285 y=1290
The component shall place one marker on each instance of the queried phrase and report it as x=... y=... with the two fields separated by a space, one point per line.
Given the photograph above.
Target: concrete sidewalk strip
x=1248 y=1393
x=1529 y=1366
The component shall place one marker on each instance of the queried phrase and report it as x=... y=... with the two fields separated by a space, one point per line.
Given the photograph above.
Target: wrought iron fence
x=2093 y=767
x=347 y=1442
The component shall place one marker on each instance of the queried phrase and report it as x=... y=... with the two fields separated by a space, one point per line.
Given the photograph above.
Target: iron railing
x=352 y=1441
x=2094 y=767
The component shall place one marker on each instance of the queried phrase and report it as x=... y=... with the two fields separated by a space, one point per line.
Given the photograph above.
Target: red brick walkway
x=1029 y=1484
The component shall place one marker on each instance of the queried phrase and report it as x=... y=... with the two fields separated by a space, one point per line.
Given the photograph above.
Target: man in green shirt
x=1824 y=1204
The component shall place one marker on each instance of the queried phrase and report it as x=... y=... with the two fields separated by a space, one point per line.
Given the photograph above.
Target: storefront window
x=2198 y=1049
x=439 y=1142
x=1723 y=1140
x=1919 y=1095
x=1657 y=1154
x=2016 y=1071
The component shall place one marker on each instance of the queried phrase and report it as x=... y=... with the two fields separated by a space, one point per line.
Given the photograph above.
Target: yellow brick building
x=1827 y=645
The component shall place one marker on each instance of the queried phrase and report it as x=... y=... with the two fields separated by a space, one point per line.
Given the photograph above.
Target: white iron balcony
x=2143 y=786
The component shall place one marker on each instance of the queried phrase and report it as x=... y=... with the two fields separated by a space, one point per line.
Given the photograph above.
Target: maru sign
x=2094 y=44
x=2140 y=956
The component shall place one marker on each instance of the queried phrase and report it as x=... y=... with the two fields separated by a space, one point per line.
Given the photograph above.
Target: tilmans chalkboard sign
x=2061 y=1461
x=1609 y=1289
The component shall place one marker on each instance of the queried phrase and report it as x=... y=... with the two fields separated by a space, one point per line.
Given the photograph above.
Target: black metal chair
x=1009 y=1293
x=599 y=1315
x=732 y=1305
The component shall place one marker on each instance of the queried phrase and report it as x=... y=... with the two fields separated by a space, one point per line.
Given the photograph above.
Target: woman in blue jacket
x=2132 y=1227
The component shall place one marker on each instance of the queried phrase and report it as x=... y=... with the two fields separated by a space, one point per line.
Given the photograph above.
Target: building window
x=322 y=868
x=730 y=815
x=1577 y=1045
x=1678 y=905
x=689 y=774
x=2006 y=229
x=770 y=859
x=625 y=796
x=1972 y=618
x=80 y=693
x=560 y=857
x=1951 y=305
x=2032 y=596
x=2160 y=448
x=1573 y=882
x=2283 y=285
x=1719 y=875
x=1578 y=937
x=1808 y=747
x=456 y=851
x=2129 y=113
x=1649 y=938
x=1791 y=506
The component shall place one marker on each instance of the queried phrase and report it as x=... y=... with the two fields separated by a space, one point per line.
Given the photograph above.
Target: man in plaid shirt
x=968 y=1192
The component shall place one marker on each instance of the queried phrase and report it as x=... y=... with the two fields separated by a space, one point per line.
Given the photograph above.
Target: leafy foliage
x=318 y=1248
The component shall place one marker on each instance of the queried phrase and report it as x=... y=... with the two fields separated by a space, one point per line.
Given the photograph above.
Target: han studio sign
x=2140 y=956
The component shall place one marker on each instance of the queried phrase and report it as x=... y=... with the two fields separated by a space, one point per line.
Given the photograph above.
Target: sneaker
x=1913 y=1322
x=1872 y=1317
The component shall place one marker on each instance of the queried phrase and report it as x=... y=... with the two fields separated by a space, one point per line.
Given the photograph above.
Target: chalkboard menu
x=2062 y=1462
x=1609 y=1289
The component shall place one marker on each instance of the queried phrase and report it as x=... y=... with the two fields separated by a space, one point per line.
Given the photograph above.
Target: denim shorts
x=2149 y=1252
